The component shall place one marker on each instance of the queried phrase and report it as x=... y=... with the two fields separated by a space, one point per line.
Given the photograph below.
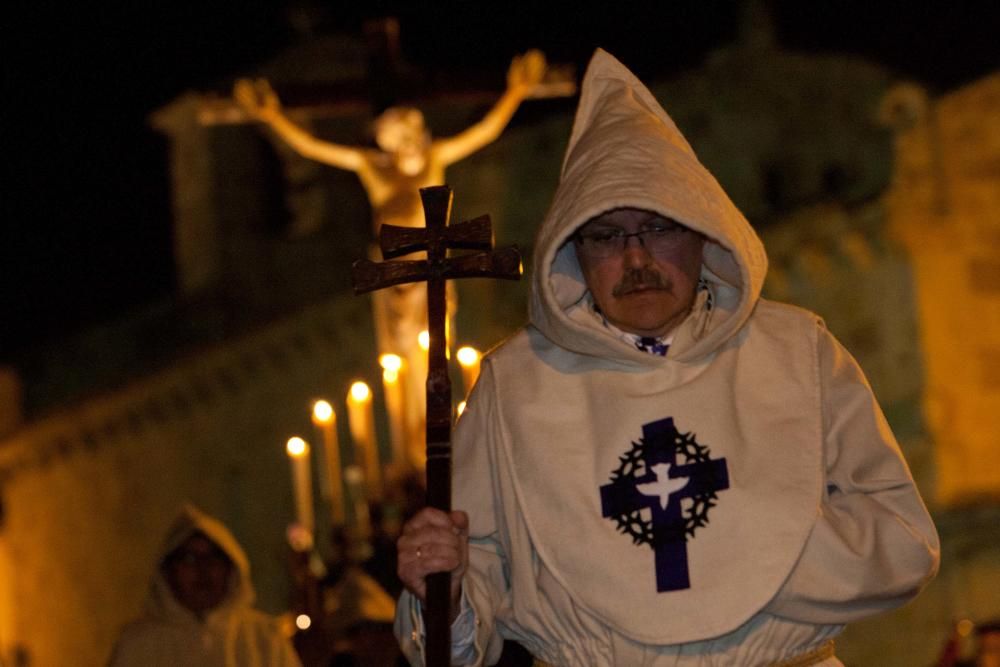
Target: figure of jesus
x=407 y=159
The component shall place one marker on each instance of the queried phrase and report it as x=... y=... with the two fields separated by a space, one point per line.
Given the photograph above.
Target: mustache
x=642 y=278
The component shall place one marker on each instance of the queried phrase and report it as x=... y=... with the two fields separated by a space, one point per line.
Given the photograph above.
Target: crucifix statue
x=436 y=239
x=407 y=159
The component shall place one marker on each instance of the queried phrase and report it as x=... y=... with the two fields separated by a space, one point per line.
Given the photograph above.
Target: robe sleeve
x=873 y=546
x=485 y=585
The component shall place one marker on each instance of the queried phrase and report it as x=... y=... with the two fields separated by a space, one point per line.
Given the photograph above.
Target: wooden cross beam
x=437 y=238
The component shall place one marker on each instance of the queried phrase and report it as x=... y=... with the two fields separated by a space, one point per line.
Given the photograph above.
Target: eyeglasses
x=606 y=242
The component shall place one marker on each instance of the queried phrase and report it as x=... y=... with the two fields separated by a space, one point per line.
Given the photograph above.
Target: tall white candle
x=362 y=423
x=298 y=455
x=325 y=420
x=392 y=384
x=469 y=359
x=416 y=404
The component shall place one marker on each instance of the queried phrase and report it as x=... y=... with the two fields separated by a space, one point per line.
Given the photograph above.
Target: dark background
x=86 y=207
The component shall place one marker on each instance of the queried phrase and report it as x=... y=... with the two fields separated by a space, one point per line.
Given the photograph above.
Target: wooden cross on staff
x=437 y=238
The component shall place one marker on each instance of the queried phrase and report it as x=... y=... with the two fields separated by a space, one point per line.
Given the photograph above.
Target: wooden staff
x=437 y=238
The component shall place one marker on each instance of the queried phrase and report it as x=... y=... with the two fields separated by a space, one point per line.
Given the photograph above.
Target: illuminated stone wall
x=909 y=282
x=943 y=208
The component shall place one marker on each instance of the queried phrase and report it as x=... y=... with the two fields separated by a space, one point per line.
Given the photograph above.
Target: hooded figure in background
x=199 y=611
x=663 y=468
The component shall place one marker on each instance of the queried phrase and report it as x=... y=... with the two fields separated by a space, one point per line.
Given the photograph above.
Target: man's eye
x=603 y=237
x=660 y=230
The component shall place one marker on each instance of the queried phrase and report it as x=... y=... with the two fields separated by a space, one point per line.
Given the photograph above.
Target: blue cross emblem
x=658 y=483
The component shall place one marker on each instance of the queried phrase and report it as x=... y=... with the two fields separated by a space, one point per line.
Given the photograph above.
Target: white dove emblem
x=663 y=486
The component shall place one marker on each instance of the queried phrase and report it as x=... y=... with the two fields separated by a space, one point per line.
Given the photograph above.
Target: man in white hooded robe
x=663 y=468
x=199 y=612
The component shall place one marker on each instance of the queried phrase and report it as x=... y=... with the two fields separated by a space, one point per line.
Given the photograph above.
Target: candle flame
x=302 y=622
x=322 y=412
x=360 y=392
x=468 y=356
x=424 y=340
x=391 y=362
x=461 y=408
x=296 y=447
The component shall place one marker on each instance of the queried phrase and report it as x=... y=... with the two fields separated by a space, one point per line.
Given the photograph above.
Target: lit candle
x=468 y=359
x=447 y=336
x=416 y=404
x=362 y=423
x=392 y=379
x=325 y=420
x=298 y=455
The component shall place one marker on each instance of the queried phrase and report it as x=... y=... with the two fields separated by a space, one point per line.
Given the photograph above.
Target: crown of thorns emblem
x=660 y=494
x=638 y=524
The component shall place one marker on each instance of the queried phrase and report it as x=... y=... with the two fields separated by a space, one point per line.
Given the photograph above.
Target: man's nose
x=635 y=254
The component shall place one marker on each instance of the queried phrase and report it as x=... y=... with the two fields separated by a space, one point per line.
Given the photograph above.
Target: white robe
x=802 y=514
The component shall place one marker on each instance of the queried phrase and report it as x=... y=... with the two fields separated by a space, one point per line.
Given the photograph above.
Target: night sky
x=86 y=205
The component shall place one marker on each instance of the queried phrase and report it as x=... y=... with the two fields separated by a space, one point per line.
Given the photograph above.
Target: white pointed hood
x=190 y=520
x=625 y=151
x=233 y=634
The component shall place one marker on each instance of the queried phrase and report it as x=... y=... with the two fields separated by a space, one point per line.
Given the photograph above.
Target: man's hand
x=257 y=98
x=434 y=541
x=526 y=72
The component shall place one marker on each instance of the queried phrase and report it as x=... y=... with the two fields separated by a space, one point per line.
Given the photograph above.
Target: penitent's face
x=646 y=284
x=198 y=573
